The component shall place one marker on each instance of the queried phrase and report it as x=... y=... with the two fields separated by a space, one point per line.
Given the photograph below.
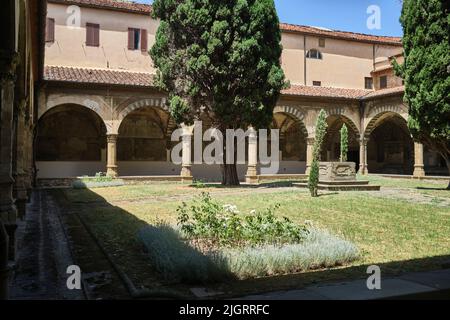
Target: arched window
x=314 y=54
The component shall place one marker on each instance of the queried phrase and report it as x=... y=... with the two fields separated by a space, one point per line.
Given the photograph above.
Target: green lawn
x=404 y=227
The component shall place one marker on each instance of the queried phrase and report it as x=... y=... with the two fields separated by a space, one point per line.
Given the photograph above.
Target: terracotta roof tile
x=145 y=80
x=97 y=76
x=110 y=4
x=345 y=35
x=385 y=92
x=325 y=92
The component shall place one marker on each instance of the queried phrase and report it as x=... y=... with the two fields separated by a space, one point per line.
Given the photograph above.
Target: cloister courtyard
x=404 y=227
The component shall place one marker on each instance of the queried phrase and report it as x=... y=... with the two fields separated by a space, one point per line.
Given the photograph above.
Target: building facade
x=98 y=111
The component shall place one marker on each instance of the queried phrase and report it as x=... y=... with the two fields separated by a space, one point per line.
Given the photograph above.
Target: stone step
x=325 y=187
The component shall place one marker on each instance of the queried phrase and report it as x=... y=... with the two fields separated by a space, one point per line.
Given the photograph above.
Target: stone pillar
x=363 y=167
x=112 y=168
x=4 y=270
x=252 y=168
x=8 y=211
x=419 y=171
x=309 y=154
x=20 y=176
x=186 y=170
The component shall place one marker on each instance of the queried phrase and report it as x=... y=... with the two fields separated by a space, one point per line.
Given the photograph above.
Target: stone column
x=20 y=176
x=363 y=167
x=419 y=167
x=186 y=170
x=309 y=154
x=252 y=168
x=8 y=211
x=112 y=168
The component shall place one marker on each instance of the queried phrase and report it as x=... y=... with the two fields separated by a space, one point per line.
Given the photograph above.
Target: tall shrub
x=344 y=143
x=321 y=130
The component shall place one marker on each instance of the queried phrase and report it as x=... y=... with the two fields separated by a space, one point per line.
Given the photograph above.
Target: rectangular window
x=383 y=82
x=322 y=42
x=50 y=30
x=368 y=83
x=92 y=34
x=137 y=39
x=317 y=83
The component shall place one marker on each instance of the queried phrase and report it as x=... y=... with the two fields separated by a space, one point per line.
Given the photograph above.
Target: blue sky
x=345 y=15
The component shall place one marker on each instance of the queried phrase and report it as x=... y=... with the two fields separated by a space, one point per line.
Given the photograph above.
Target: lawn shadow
x=432 y=189
x=116 y=230
x=264 y=185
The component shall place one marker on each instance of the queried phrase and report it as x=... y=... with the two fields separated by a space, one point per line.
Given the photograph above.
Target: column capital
x=8 y=63
x=310 y=141
x=364 y=140
x=112 y=138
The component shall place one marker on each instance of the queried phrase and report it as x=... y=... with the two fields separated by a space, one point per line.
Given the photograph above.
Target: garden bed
x=214 y=242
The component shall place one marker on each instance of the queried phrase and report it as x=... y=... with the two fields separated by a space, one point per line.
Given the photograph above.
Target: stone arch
x=390 y=148
x=93 y=103
x=349 y=119
x=379 y=114
x=296 y=114
x=144 y=133
x=70 y=132
x=376 y=115
x=332 y=141
x=141 y=104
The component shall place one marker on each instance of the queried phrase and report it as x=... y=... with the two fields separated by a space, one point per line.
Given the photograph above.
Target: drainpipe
x=4 y=270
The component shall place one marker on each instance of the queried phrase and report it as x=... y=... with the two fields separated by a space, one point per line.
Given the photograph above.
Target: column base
x=252 y=175
x=186 y=174
x=11 y=231
x=419 y=172
x=112 y=171
x=364 y=171
x=251 y=179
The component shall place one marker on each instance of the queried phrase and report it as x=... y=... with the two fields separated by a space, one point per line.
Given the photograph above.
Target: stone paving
x=44 y=255
x=422 y=284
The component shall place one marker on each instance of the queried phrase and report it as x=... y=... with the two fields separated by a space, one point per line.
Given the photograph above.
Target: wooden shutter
x=50 y=30
x=130 y=39
x=144 y=38
x=92 y=34
x=96 y=28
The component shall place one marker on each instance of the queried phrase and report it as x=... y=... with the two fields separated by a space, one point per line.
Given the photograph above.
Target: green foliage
x=313 y=181
x=321 y=131
x=426 y=41
x=199 y=184
x=220 y=225
x=344 y=143
x=219 y=59
x=176 y=260
x=101 y=180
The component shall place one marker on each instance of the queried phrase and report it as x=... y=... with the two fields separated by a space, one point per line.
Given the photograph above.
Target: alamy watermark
x=74 y=280
x=374 y=281
x=374 y=19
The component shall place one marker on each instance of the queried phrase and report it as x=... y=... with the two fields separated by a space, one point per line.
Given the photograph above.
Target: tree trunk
x=229 y=170
x=229 y=175
x=447 y=160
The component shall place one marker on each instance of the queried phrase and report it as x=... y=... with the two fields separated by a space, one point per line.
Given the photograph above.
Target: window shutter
x=96 y=31
x=130 y=38
x=92 y=34
x=50 y=30
x=89 y=39
x=144 y=39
